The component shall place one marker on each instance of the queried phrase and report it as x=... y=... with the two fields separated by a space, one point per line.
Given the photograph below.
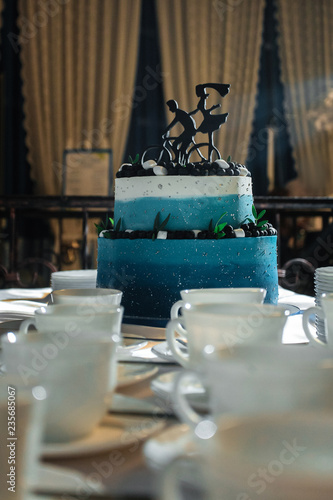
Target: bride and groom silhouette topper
x=183 y=145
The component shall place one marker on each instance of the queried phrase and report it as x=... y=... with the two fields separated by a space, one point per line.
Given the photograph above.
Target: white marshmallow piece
x=196 y=232
x=243 y=171
x=129 y=230
x=162 y=235
x=222 y=163
x=240 y=233
x=158 y=170
x=149 y=164
x=101 y=234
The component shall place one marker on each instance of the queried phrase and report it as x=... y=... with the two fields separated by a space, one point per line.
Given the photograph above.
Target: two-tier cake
x=182 y=224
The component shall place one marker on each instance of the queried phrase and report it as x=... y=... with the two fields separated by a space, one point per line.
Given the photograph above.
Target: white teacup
x=20 y=437
x=258 y=379
x=197 y=296
x=225 y=325
x=286 y=456
x=88 y=296
x=77 y=376
x=325 y=312
x=73 y=319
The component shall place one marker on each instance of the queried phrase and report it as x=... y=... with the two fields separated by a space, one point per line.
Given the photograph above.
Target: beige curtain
x=78 y=67
x=214 y=41
x=306 y=50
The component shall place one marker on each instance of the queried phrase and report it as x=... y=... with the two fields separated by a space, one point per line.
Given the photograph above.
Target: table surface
x=130 y=477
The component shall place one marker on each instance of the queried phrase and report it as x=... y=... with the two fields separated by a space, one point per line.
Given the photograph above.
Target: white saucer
x=167 y=445
x=54 y=479
x=130 y=345
x=144 y=355
x=163 y=386
x=148 y=332
x=33 y=496
x=112 y=433
x=291 y=308
x=163 y=351
x=132 y=373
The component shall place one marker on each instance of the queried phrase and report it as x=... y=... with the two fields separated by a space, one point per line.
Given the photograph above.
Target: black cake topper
x=179 y=149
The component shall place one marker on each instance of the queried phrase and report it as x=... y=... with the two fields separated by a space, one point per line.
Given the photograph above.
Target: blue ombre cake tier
x=191 y=201
x=152 y=273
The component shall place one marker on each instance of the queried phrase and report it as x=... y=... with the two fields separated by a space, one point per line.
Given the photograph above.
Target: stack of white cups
x=323 y=284
x=81 y=278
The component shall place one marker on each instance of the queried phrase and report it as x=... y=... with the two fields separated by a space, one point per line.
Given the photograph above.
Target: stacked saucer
x=323 y=282
x=81 y=278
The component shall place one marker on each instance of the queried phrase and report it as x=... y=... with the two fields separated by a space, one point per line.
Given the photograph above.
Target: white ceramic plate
x=54 y=479
x=167 y=445
x=162 y=350
x=291 y=308
x=132 y=373
x=148 y=332
x=144 y=355
x=75 y=274
x=81 y=278
x=130 y=345
x=32 y=496
x=112 y=433
x=163 y=385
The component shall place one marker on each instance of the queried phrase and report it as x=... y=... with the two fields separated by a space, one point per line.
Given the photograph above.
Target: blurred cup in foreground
x=275 y=457
x=77 y=375
x=258 y=379
x=21 y=425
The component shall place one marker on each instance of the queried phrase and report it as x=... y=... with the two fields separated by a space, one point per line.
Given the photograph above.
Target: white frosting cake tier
x=191 y=201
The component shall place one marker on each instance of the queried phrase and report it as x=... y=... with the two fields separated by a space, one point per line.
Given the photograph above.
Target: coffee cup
x=76 y=373
x=197 y=296
x=274 y=457
x=74 y=319
x=325 y=313
x=225 y=325
x=258 y=379
x=88 y=296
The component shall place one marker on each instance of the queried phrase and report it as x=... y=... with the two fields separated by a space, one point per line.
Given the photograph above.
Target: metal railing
x=14 y=208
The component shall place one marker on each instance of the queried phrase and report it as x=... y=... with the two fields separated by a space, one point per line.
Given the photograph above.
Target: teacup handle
x=182 y=407
x=174 y=314
x=313 y=339
x=172 y=328
x=25 y=325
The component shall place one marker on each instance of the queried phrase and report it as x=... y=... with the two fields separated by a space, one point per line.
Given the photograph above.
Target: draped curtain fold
x=306 y=43
x=214 y=41
x=78 y=71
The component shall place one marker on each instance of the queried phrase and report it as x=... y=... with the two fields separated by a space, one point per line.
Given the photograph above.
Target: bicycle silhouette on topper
x=179 y=149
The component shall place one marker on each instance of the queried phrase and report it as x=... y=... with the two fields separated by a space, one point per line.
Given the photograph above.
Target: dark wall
x=15 y=178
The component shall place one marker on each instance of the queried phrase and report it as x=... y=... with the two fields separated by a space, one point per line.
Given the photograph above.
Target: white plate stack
x=323 y=283
x=81 y=278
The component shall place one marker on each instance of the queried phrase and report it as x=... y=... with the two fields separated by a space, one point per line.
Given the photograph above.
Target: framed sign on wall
x=87 y=172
